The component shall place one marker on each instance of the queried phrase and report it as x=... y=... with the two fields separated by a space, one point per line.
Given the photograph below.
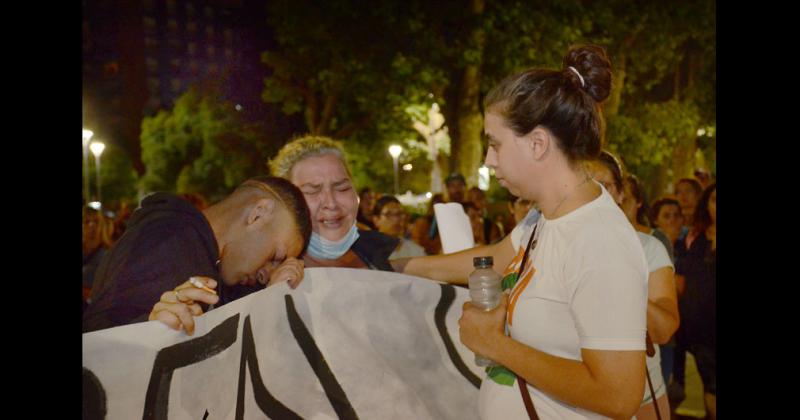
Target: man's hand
x=177 y=308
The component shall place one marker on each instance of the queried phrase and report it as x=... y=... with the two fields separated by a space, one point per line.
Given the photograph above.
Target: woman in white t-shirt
x=662 y=299
x=576 y=315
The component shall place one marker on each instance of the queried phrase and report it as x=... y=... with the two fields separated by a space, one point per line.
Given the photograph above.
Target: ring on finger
x=178 y=296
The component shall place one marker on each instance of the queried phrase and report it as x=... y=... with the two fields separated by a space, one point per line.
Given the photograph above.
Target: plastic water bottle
x=484 y=290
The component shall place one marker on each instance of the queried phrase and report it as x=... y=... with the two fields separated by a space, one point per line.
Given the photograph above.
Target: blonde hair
x=304 y=147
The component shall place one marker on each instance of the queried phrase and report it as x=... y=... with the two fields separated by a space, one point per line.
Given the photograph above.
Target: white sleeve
x=608 y=289
x=523 y=229
x=656 y=254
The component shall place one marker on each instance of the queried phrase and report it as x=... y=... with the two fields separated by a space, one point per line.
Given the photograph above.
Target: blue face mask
x=325 y=249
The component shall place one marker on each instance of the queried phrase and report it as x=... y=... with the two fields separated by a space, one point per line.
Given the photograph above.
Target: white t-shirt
x=657 y=258
x=585 y=286
x=407 y=249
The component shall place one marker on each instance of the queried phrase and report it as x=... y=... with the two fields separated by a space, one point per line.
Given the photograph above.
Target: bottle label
x=509 y=281
x=501 y=375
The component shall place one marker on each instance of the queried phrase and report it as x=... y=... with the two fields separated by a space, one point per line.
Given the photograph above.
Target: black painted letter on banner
x=180 y=355
x=273 y=408
x=448 y=296
x=94 y=397
x=332 y=388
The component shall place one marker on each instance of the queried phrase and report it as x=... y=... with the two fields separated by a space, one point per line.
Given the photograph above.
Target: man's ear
x=262 y=210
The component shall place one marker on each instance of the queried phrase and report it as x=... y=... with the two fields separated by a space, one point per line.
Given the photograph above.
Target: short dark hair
x=656 y=208
x=455 y=176
x=565 y=101
x=614 y=165
x=702 y=217
x=639 y=194
x=693 y=182
x=383 y=201
x=294 y=200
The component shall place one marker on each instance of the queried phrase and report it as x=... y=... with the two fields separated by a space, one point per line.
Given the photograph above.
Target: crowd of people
x=607 y=291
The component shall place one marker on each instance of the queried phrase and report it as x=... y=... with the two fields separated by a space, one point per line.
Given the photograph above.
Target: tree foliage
x=356 y=72
x=202 y=146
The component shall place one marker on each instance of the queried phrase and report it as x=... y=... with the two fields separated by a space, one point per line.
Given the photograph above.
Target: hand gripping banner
x=345 y=344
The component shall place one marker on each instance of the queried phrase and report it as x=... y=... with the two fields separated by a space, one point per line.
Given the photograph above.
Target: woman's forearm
x=455 y=268
x=662 y=320
x=662 y=305
x=614 y=390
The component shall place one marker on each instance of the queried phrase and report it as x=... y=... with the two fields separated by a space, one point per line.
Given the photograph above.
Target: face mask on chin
x=326 y=249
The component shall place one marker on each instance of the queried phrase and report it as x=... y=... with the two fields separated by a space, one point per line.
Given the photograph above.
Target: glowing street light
x=395 y=151
x=87 y=136
x=97 y=149
x=407 y=167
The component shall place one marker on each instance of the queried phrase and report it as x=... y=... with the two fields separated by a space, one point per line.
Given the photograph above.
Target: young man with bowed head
x=249 y=240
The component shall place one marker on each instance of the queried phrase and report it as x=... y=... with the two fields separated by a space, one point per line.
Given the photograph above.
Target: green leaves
x=202 y=146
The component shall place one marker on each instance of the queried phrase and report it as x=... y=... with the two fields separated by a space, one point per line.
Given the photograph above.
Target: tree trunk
x=470 y=121
x=683 y=158
x=611 y=106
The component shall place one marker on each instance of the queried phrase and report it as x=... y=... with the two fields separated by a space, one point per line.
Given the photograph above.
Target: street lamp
x=395 y=151
x=97 y=149
x=87 y=136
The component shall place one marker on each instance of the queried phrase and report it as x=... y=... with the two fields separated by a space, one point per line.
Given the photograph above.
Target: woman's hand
x=177 y=308
x=290 y=270
x=481 y=330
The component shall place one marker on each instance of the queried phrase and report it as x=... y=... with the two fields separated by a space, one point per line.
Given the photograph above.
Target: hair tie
x=583 y=84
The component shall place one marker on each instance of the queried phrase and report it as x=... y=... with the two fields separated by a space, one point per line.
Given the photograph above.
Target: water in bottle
x=484 y=291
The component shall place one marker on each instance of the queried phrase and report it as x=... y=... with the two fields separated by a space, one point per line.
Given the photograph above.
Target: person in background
x=662 y=300
x=703 y=177
x=696 y=261
x=476 y=222
x=688 y=191
x=519 y=208
x=422 y=230
x=456 y=187
x=316 y=165
x=390 y=219
x=666 y=217
x=366 y=205
x=98 y=238
x=635 y=206
x=491 y=233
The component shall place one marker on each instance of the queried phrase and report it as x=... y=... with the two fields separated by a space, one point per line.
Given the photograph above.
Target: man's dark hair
x=293 y=198
x=455 y=176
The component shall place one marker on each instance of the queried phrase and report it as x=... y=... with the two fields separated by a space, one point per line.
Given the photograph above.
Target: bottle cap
x=483 y=261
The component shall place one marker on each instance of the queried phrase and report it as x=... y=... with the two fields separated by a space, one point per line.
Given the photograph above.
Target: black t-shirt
x=698 y=305
x=167 y=241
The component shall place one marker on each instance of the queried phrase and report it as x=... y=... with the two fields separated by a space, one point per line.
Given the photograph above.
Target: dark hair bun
x=594 y=66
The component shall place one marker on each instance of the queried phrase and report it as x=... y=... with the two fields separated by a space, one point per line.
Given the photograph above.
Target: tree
x=202 y=146
x=355 y=73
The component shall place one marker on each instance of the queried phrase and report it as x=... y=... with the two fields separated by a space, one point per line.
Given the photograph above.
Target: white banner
x=346 y=344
